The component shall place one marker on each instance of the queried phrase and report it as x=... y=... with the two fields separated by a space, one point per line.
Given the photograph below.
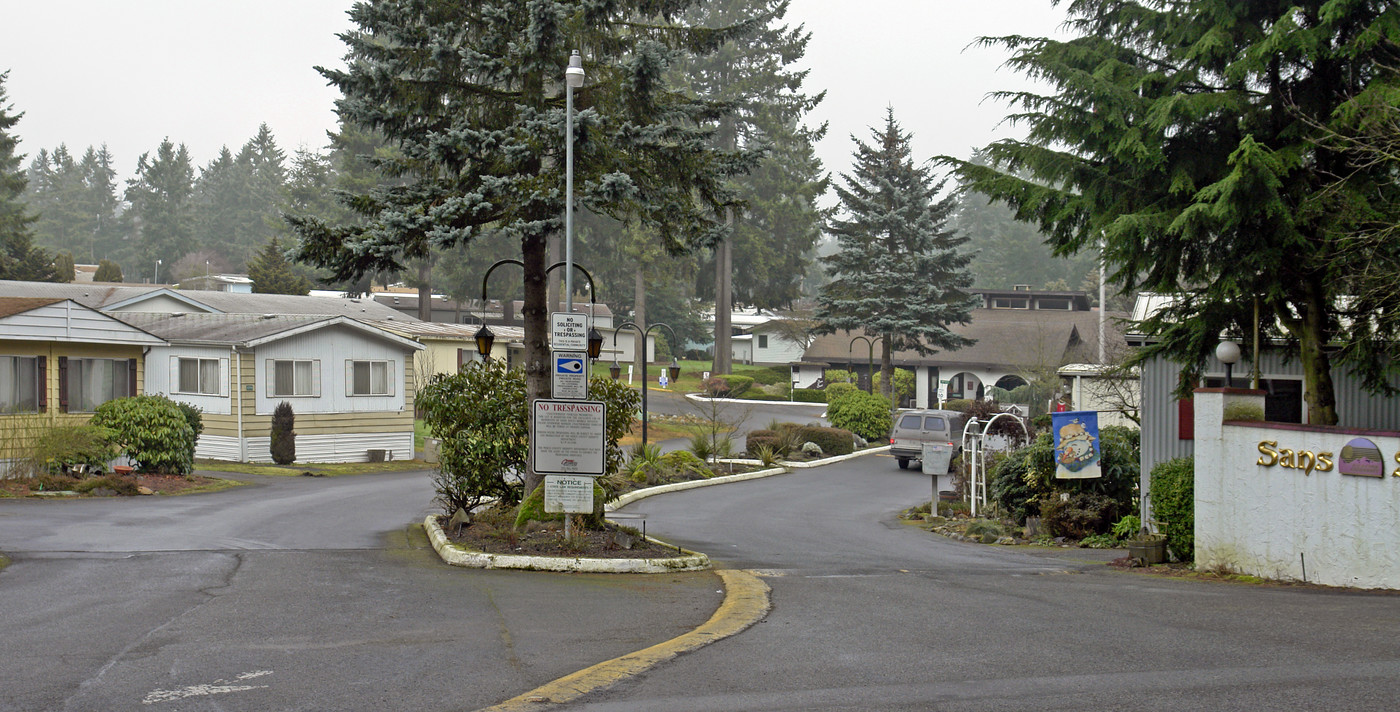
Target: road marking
x=745 y=603
x=218 y=687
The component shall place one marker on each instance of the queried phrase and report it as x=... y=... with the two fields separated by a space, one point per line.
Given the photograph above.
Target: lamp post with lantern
x=615 y=371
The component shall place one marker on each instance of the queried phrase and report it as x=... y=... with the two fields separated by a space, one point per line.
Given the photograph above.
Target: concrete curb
x=460 y=556
x=698 y=397
x=745 y=603
x=635 y=495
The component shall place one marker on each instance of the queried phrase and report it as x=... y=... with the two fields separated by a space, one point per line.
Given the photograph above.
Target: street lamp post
x=156 y=279
x=485 y=338
x=573 y=78
x=869 y=361
x=674 y=370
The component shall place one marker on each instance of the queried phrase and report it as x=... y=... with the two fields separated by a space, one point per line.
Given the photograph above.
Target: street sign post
x=569 y=437
x=568 y=332
x=570 y=375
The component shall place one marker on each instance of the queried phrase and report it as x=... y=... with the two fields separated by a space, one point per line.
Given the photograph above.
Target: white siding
x=332 y=347
x=71 y=322
x=160 y=377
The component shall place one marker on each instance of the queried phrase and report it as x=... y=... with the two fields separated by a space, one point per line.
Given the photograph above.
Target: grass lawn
x=691 y=374
x=318 y=469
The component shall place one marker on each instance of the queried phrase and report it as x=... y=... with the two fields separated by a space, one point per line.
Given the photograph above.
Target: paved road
x=745 y=416
x=295 y=594
x=871 y=614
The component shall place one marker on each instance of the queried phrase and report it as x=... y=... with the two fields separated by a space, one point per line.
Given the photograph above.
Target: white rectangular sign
x=570 y=375
x=569 y=437
x=569 y=332
x=568 y=493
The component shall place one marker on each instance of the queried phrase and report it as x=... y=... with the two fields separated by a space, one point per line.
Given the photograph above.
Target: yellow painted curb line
x=745 y=603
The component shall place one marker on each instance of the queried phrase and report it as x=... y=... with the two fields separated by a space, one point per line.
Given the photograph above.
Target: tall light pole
x=573 y=78
x=615 y=371
x=156 y=279
x=869 y=362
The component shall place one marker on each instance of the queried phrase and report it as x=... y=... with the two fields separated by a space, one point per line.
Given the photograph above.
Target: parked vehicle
x=913 y=428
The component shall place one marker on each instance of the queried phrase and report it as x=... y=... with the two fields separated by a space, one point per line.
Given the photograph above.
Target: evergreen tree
x=472 y=96
x=55 y=191
x=222 y=195
x=161 y=215
x=19 y=257
x=107 y=271
x=753 y=73
x=63 y=267
x=897 y=275
x=1184 y=134
x=272 y=274
x=100 y=203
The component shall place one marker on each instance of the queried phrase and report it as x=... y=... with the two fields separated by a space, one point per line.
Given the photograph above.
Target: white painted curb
x=460 y=556
x=698 y=397
x=635 y=495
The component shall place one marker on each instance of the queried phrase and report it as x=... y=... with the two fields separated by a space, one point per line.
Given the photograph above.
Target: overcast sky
x=206 y=74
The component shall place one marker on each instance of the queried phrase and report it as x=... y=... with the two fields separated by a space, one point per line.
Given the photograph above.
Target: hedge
x=832 y=441
x=1174 y=504
x=809 y=395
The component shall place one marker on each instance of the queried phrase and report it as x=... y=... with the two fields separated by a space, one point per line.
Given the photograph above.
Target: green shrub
x=59 y=448
x=832 y=441
x=1081 y=515
x=151 y=430
x=702 y=447
x=194 y=415
x=837 y=391
x=736 y=385
x=809 y=395
x=864 y=414
x=1174 y=504
x=1022 y=479
x=772 y=375
x=684 y=462
x=903 y=384
x=959 y=404
x=284 y=437
x=124 y=486
x=833 y=376
x=762 y=438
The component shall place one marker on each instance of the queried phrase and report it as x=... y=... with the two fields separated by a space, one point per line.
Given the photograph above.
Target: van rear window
x=933 y=423
x=909 y=422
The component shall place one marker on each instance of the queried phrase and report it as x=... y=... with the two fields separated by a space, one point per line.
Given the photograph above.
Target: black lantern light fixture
x=484 y=340
x=615 y=371
x=595 y=342
x=674 y=370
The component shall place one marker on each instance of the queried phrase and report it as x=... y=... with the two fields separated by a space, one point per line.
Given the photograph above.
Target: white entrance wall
x=1299 y=514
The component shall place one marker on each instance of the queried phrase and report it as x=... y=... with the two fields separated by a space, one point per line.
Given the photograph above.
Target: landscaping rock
x=860 y=442
x=144 y=490
x=811 y=449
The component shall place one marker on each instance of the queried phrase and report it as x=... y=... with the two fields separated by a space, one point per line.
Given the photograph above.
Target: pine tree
x=272 y=274
x=100 y=203
x=107 y=271
x=472 y=97
x=897 y=275
x=161 y=216
x=19 y=257
x=56 y=191
x=63 y=267
x=753 y=73
x=1184 y=134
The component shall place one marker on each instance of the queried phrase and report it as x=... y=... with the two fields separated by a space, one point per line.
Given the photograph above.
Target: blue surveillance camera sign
x=570 y=375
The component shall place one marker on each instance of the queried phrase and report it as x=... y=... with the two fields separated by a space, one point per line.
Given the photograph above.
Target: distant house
x=449 y=347
x=238 y=283
x=1017 y=333
x=350 y=384
x=153 y=298
x=59 y=360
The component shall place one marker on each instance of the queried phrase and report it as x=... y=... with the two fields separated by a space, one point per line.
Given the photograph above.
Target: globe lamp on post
x=1228 y=352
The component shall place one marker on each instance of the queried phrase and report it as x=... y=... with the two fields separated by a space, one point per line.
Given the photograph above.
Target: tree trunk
x=723 y=357
x=639 y=317
x=556 y=281
x=537 y=375
x=1311 y=332
x=425 y=290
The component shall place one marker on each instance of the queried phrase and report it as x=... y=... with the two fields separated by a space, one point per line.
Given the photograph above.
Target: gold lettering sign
x=1270 y=454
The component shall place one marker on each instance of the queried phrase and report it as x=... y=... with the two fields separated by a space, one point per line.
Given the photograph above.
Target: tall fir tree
x=897 y=275
x=20 y=258
x=161 y=217
x=472 y=96
x=100 y=204
x=273 y=274
x=754 y=73
x=1184 y=135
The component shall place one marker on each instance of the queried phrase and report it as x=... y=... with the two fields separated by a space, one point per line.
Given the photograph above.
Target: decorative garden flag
x=1077 y=450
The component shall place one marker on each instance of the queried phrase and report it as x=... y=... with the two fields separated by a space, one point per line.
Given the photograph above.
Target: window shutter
x=270 y=378
x=174 y=375
x=316 y=378
x=43 y=385
x=349 y=377
x=461 y=358
x=131 y=377
x=223 y=377
x=389 y=374
x=63 y=384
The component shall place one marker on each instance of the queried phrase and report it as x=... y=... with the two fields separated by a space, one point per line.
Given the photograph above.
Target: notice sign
x=569 y=437
x=568 y=494
x=568 y=332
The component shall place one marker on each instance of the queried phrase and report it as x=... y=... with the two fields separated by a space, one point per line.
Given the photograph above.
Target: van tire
x=903 y=462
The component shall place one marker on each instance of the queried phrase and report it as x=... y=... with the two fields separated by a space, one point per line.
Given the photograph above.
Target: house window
x=294 y=378
x=94 y=381
x=199 y=375
x=1011 y=303
x=1048 y=303
x=762 y=341
x=369 y=378
x=20 y=384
